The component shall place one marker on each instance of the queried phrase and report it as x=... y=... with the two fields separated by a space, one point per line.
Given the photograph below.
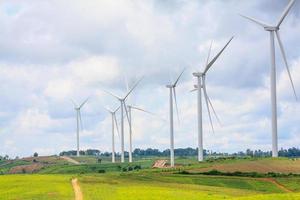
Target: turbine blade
x=209 y=53
x=216 y=57
x=116 y=123
x=75 y=105
x=285 y=12
x=127 y=84
x=111 y=94
x=179 y=77
x=84 y=102
x=140 y=109
x=117 y=109
x=126 y=111
x=134 y=86
x=208 y=110
x=193 y=90
x=210 y=103
x=109 y=110
x=176 y=106
x=254 y=20
x=286 y=63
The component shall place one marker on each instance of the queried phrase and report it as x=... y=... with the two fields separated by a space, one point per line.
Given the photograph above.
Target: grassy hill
x=265 y=165
x=139 y=181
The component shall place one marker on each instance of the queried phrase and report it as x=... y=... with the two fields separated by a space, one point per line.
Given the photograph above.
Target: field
x=139 y=181
x=39 y=187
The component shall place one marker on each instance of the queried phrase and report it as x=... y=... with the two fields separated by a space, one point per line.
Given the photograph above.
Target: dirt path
x=77 y=190
x=279 y=185
x=70 y=160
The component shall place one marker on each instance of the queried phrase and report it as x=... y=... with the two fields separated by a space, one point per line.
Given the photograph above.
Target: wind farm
x=208 y=110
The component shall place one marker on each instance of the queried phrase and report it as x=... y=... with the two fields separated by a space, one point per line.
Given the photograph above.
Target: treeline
x=291 y=152
x=136 y=152
x=6 y=157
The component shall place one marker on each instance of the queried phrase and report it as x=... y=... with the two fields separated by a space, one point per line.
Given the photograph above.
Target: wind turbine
x=274 y=30
x=78 y=120
x=129 y=117
x=172 y=89
x=113 y=123
x=122 y=107
x=201 y=85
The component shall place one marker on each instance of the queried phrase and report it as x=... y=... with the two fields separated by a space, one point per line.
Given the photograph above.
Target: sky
x=53 y=51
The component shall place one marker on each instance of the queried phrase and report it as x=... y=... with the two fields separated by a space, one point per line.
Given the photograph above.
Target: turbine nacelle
x=198 y=74
x=271 y=28
x=170 y=86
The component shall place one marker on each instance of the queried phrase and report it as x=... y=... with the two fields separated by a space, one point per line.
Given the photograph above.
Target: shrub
x=137 y=167
x=101 y=171
x=184 y=172
x=129 y=168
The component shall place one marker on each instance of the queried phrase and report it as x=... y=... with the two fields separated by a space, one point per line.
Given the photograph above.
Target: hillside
x=265 y=165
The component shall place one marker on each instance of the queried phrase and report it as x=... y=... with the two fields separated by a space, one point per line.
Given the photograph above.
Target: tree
x=35 y=154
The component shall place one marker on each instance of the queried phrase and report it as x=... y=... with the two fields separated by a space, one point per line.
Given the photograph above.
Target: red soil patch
x=26 y=168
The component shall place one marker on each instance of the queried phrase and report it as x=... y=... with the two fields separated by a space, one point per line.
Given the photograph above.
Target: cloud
x=52 y=51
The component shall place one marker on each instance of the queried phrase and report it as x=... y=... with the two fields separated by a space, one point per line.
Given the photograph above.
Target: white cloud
x=47 y=58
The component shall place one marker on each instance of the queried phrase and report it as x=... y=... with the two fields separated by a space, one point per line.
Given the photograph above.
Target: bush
x=129 y=168
x=137 y=167
x=101 y=171
x=184 y=172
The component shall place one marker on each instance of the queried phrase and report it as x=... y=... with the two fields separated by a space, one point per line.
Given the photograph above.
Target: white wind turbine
x=113 y=123
x=274 y=29
x=122 y=107
x=78 y=120
x=129 y=117
x=172 y=89
x=201 y=84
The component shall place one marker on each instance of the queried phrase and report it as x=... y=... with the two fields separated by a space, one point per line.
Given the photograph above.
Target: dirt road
x=282 y=187
x=77 y=190
x=70 y=160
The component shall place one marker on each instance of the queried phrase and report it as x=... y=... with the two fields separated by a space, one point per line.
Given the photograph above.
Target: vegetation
x=216 y=178
x=291 y=152
x=41 y=187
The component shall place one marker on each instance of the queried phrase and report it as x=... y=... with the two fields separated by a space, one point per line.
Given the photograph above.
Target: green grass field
x=116 y=181
x=37 y=187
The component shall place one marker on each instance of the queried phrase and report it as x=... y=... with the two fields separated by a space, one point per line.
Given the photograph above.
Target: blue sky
x=52 y=51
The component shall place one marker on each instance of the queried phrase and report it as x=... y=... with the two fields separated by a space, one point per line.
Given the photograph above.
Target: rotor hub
x=271 y=28
x=197 y=74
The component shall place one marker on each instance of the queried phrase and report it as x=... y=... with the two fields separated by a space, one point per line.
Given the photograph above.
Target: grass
x=119 y=183
x=35 y=187
x=92 y=168
x=260 y=165
x=119 y=188
x=291 y=183
x=7 y=165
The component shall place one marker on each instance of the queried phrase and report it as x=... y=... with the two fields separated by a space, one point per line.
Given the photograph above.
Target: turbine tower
x=129 y=117
x=113 y=123
x=274 y=30
x=172 y=89
x=122 y=108
x=201 y=85
x=78 y=120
